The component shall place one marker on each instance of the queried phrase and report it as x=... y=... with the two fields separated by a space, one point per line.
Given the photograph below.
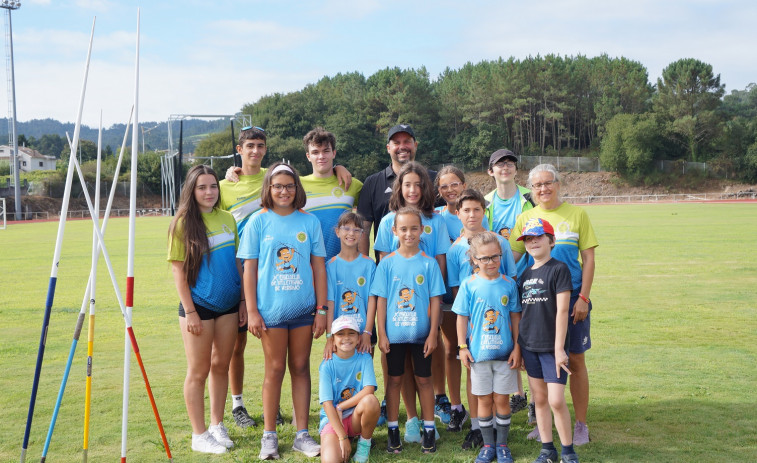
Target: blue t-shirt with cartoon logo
x=350 y=286
x=487 y=304
x=434 y=239
x=408 y=284
x=458 y=262
x=340 y=379
x=283 y=246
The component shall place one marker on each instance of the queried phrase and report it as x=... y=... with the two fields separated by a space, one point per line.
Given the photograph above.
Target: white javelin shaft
x=130 y=257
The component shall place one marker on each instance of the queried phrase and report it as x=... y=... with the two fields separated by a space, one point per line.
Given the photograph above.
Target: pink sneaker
x=580 y=434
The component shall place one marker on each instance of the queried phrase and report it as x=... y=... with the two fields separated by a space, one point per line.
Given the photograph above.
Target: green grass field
x=672 y=366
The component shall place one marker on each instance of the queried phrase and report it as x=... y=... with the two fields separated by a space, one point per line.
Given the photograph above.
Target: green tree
x=87 y=152
x=688 y=95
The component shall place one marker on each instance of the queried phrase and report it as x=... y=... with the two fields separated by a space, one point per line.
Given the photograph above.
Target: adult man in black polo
x=377 y=188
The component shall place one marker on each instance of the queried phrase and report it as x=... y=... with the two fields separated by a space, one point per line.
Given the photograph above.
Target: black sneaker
x=279 y=418
x=242 y=418
x=428 y=444
x=532 y=414
x=473 y=440
x=457 y=420
x=393 y=442
x=518 y=403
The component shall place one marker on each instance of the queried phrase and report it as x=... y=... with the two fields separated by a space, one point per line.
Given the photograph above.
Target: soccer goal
x=2 y=213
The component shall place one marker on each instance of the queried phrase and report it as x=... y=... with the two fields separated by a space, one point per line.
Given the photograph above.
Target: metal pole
x=14 y=137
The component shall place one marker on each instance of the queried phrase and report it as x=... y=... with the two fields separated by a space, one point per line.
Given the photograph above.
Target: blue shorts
x=541 y=365
x=580 y=333
x=303 y=320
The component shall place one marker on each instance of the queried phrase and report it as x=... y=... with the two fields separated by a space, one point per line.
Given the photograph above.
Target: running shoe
x=518 y=403
x=547 y=456
x=503 y=454
x=569 y=458
x=413 y=430
x=242 y=418
x=279 y=418
x=393 y=442
x=306 y=445
x=473 y=440
x=457 y=420
x=429 y=441
x=580 y=434
x=269 y=447
x=221 y=435
x=206 y=443
x=486 y=455
x=534 y=435
x=442 y=409
x=362 y=452
x=382 y=416
x=531 y=414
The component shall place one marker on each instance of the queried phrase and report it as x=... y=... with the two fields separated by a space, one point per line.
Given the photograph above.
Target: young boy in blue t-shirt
x=409 y=286
x=346 y=392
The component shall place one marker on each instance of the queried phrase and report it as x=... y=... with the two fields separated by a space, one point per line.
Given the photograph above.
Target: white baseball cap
x=344 y=323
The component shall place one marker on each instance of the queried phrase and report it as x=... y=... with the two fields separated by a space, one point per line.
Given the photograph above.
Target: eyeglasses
x=539 y=186
x=503 y=164
x=278 y=187
x=357 y=231
x=250 y=127
x=487 y=259
x=453 y=185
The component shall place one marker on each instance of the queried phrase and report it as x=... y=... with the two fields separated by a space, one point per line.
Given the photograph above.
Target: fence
x=667 y=198
x=584 y=164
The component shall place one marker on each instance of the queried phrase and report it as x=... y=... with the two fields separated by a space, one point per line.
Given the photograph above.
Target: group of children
x=287 y=294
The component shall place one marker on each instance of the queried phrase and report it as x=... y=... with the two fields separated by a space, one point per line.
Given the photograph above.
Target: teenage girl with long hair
x=202 y=242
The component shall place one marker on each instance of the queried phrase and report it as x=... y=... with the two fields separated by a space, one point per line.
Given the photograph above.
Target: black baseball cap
x=502 y=154
x=400 y=128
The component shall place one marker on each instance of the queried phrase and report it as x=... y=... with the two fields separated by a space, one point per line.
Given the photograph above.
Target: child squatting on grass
x=543 y=337
x=409 y=286
x=346 y=392
x=488 y=313
x=202 y=242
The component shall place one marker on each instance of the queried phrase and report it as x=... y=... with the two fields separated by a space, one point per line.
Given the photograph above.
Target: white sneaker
x=206 y=443
x=269 y=447
x=306 y=445
x=221 y=435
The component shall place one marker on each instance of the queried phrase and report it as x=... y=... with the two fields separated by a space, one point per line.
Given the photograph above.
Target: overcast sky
x=213 y=56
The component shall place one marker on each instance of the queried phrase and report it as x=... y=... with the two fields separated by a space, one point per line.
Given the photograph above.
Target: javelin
x=127 y=317
x=86 y=299
x=129 y=335
x=56 y=256
x=93 y=285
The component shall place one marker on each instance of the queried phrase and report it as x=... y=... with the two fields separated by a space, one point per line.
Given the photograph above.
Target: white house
x=28 y=159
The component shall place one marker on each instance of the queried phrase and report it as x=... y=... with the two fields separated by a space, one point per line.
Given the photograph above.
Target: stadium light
x=9 y=6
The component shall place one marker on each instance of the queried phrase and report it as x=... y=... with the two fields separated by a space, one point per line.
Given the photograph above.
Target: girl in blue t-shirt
x=201 y=248
x=283 y=252
x=488 y=312
x=413 y=187
x=350 y=275
x=409 y=286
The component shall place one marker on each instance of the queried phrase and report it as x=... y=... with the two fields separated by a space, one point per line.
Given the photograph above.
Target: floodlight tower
x=10 y=5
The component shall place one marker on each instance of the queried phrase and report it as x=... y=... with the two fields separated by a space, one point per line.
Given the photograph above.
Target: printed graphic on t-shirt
x=505 y=232
x=532 y=288
x=288 y=261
